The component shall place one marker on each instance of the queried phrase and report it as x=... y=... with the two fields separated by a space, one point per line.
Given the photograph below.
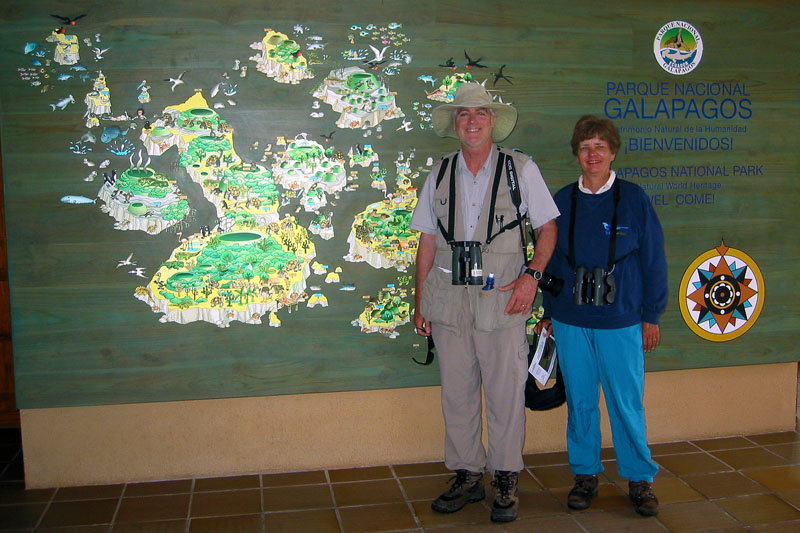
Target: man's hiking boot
x=643 y=497
x=582 y=494
x=506 y=499
x=467 y=488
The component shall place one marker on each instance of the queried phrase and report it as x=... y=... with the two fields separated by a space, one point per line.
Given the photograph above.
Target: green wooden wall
x=715 y=147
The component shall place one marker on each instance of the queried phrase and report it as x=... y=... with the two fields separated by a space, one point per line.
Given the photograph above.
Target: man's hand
x=524 y=292
x=421 y=326
x=651 y=336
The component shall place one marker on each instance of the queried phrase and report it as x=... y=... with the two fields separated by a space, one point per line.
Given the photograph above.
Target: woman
x=611 y=251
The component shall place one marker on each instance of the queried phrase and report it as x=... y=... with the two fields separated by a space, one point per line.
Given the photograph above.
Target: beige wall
x=122 y=443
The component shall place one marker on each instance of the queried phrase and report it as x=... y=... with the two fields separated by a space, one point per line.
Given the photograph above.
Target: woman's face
x=595 y=157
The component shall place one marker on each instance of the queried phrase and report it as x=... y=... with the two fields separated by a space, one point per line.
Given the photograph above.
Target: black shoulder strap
x=451 y=215
x=612 y=244
x=442 y=170
x=506 y=162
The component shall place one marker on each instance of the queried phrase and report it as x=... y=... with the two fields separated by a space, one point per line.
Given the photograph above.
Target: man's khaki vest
x=504 y=256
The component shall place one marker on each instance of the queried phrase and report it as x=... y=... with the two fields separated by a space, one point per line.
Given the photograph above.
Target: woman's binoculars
x=595 y=287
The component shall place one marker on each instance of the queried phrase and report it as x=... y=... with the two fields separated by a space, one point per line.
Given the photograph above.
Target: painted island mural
x=218 y=205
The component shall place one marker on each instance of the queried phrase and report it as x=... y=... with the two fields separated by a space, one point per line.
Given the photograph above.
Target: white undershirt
x=606 y=186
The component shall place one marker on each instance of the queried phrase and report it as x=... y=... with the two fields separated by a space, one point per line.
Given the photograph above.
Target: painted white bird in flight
x=176 y=81
x=127 y=261
x=138 y=271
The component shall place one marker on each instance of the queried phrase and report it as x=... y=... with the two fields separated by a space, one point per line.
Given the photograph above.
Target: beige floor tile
x=387 y=517
x=759 y=509
x=152 y=508
x=672 y=448
x=559 y=523
x=178 y=486
x=298 y=497
x=778 y=478
x=775 y=438
x=94 y=492
x=11 y=494
x=80 y=513
x=788 y=450
x=553 y=476
x=783 y=527
x=227 y=503
x=226 y=483
x=749 y=458
x=526 y=481
x=360 y=474
x=166 y=526
x=425 y=488
x=674 y=490
x=421 y=469
x=309 y=477
x=21 y=516
x=228 y=524
x=791 y=496
x=538 y=503
x=691 y=463
x=367 y=492
x=724 y=484
x=318 y=521
x=723 y=443
x=623 y=519
x=695 y=516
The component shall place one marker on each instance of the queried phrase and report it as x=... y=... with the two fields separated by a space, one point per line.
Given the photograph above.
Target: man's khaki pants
x=499 y=360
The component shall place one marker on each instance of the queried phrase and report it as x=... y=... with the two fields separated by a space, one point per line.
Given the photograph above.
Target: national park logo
x=678 y=47
x=721 y=294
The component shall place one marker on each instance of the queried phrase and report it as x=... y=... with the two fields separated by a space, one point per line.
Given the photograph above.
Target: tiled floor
x=738 y=483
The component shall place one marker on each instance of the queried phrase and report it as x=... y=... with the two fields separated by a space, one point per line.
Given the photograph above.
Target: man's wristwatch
x=535 y=274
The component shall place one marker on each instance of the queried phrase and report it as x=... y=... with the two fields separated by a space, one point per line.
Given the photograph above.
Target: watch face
x=535 y=274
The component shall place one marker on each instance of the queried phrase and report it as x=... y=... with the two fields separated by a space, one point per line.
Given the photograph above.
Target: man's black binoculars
x=467 y=263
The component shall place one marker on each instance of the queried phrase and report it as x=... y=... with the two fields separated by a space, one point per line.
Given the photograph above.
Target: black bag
x=538 y=399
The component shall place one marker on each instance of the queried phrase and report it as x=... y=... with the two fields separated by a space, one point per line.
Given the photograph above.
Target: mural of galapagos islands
x=218 y=205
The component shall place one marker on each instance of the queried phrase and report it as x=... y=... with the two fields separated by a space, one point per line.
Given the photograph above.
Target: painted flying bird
x=378 y=59
x=449 y=64
x=98 y=54
x=127 y=261
x=68 y=21
x=138 y=271
x=471 y=63
x=500 y=76
x=176 y=81
x=328 y=136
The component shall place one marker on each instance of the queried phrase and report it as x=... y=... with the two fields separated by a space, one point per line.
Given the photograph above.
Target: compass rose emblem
x=721 y=294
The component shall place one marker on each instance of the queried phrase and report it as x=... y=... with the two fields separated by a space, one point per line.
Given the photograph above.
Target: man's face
x=474 y=126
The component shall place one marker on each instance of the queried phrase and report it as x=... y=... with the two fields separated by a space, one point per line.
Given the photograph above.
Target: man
x=470 y=215
x=611 y=251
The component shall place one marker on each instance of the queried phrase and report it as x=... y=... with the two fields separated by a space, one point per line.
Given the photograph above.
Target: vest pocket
x=437 y=303
x=490 y=306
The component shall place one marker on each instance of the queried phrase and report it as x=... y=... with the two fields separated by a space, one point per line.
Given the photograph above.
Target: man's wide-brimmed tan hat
x=473 y=94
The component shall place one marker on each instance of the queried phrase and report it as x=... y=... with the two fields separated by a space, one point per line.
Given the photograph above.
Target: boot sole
x=583 y=506
x=446 y=510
